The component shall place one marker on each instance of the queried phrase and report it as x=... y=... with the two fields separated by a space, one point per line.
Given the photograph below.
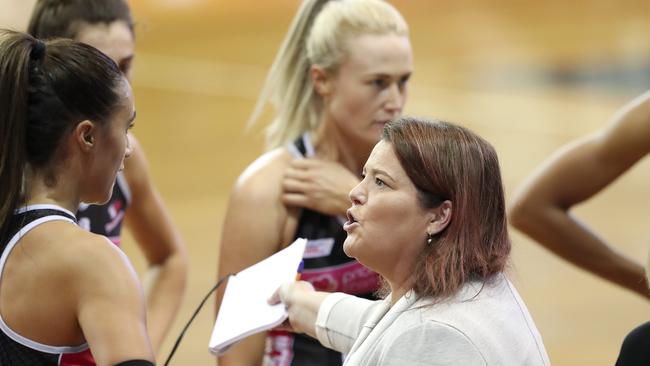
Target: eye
x=379 y=83
x=379 y=182
x=403 y=81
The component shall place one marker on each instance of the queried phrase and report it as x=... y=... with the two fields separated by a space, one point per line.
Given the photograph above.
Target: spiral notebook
x=244 y=309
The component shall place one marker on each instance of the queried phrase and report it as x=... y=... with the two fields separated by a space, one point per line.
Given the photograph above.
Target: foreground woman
x=65 y=112
x=429 y=217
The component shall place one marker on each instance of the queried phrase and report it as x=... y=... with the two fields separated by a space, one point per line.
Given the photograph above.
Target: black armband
x=135 y=363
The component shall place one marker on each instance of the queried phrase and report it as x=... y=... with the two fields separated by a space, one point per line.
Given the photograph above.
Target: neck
x=44 y=188
x=397 y=291
x=331 y=144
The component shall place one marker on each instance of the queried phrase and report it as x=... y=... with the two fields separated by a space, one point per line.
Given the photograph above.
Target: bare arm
x=253 y=229
x=541 y=208
x=110 y=305
x=155 y=234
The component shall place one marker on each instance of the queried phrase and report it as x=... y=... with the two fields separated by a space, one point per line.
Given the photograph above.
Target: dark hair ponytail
x=45 y=90
x=14 y=80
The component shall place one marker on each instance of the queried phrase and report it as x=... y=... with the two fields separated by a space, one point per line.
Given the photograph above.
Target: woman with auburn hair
x=340 y=75
x=429 y=217
x=65 y=113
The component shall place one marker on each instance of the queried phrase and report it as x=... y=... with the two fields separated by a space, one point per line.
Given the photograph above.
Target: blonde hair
x=316 y=36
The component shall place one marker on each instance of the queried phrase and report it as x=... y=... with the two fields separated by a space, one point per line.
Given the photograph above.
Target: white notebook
x=244 y=309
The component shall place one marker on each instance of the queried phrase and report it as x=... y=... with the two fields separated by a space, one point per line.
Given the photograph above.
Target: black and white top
x=327 y=268
x=14 y=348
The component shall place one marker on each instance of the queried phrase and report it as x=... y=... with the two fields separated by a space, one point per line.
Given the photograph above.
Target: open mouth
x=351 y=219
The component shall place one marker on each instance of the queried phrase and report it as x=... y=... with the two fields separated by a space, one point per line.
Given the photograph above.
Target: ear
x=321 y=80
x=440 y=218
x=85 y=135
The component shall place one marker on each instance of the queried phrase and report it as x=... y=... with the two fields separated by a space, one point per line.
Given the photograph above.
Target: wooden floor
x=528 y=76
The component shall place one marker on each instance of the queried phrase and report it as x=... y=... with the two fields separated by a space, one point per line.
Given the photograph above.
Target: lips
x=351 y=223
x=351 y=218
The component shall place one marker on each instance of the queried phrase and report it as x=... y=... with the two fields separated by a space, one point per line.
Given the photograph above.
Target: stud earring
x=429 y=239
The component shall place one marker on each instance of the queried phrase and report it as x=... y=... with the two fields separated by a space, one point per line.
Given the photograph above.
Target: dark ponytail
x=45 y=90
x=14 y=81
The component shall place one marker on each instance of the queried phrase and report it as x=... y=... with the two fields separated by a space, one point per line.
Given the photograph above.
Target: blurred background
x=529 y=76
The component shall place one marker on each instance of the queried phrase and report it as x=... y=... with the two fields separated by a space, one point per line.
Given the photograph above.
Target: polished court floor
x=528 y=76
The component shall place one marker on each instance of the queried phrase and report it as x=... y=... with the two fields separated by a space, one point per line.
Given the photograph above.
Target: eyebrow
x=385 y=75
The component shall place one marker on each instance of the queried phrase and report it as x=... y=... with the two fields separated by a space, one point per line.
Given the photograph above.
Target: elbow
x=523 y=213
x=180 y=262
x=175 y=265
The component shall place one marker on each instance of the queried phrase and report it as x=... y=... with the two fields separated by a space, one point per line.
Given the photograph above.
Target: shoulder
x=489 y=316
x=432 y=340
x=91 y=260
x=84 y=261
x=629 y=128
x=261 y=180
x=258 y=194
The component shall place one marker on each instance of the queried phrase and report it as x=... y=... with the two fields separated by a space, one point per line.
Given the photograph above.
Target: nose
x=129 y=149
x=395 y=100
x=357 y=194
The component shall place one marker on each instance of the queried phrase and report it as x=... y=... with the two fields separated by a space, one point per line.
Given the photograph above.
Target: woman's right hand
x=302 y=303
x=319 y=185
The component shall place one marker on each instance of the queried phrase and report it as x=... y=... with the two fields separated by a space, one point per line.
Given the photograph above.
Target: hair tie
x=38 y=50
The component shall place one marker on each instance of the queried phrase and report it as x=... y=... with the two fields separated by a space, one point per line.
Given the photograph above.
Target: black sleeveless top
x=14 y=348
x=327 y=268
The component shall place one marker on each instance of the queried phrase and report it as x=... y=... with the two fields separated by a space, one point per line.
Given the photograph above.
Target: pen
x=301 y=266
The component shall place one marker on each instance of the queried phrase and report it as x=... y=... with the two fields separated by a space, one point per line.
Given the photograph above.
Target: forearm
x=164 y=288
x=566 y=236
x=303 y=311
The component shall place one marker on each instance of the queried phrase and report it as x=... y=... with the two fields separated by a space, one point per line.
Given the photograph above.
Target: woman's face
x=111 y=146
x=370 y=86
x=387 y=227
x=115 y=40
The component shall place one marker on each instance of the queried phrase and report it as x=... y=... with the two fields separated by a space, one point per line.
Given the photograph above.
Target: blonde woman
x=339 y=77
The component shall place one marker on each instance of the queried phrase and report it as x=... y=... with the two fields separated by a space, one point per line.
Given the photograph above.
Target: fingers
x=304 y=164
x=295 y=200
x=291 y=185
x=297 y=174
x=275 y=298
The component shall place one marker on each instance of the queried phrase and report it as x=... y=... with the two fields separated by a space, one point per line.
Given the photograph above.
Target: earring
x=429 y=239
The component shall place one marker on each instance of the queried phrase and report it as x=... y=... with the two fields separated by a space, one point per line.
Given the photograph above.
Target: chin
x=348 y=248
x=103 y=198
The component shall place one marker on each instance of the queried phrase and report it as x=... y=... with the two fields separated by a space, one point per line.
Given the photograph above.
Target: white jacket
x=480 y=325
